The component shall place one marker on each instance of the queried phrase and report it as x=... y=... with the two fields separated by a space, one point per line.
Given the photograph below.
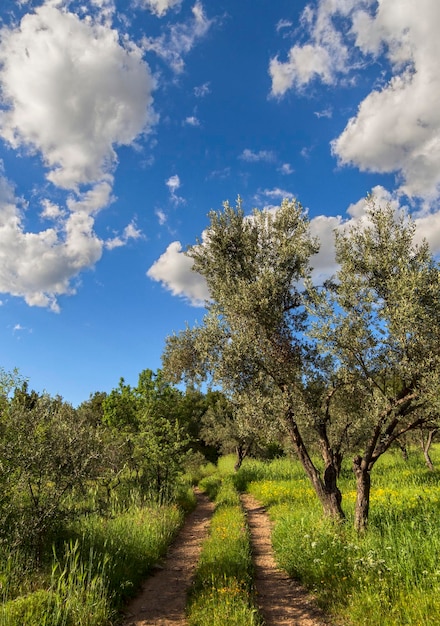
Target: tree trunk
x=426 y=447
x=403 y=449
x=327 y=490
x=363 y=487
x=242 y=450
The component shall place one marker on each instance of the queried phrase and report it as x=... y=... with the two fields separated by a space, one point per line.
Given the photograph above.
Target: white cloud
x=161 y=216
x=130 y=232
x=41 y=266
x=254 y=157
x=275 y=193
x=71 y=92
x=192 y=121
x=286 y=169
x=174 y=271
x=51 y=211
x=283 y=24
x=160 y=7
x=397 y=129
x=180 y=39
x=93 y=200
x=328 y=112
x=305 y=63
x=323 y=56
x=397 y=126
x=202 y=90
x=173 y=184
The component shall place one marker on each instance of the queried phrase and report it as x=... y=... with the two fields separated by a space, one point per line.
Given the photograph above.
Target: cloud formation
x=71 y=92
x=174 y=269
x=40 y=266
x=179 y=39
x=160 y=7
x=397 y=126
x=253 y=157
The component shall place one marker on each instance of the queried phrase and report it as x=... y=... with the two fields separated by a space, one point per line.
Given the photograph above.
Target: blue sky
x=122 y=124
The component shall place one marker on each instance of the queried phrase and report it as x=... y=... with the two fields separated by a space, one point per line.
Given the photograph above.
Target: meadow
x=389 y=575
x=96 y=565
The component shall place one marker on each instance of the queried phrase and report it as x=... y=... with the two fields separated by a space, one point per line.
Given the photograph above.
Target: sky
x=123 y=123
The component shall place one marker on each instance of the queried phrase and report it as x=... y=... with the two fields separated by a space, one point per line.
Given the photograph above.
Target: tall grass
x=390 y=575
x=222 y=592
x=93 y=574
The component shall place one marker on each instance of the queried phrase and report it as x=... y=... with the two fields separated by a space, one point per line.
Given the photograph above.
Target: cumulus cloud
x=40 y=266
x=71 y=92
x=179 y=39
x=129 y=232
x=397 y=126
x=160 y=7
x=174 y=271
x=323 y=56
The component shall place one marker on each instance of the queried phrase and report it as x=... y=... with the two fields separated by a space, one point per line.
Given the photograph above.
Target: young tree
x=380 y=322
x=147 y=418
x=252 y=340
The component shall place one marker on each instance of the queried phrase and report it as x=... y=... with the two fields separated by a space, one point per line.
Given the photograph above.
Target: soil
x=281 y=600
x=162 y=601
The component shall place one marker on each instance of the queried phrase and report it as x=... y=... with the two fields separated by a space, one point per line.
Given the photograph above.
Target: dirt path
x=163 y=597
x=162 y=601
x=282 y=601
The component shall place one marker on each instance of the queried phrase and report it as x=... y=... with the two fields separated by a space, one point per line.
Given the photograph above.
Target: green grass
x=92 y=575
x=389 y=576
x=222 y=592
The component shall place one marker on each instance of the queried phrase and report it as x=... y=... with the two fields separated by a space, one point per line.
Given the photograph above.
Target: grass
x=390 y=575
x=222 y=592
x=93 y=575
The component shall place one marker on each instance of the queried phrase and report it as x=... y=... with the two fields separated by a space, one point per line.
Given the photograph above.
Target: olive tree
x=49 y=456
x=380 y=322
x=252 y=341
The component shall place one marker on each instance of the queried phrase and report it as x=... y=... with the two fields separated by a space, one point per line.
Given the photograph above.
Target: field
x=390 y=575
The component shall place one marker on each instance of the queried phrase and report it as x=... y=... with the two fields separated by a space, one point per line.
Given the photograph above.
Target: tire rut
x=281 y=600
x=162 y=601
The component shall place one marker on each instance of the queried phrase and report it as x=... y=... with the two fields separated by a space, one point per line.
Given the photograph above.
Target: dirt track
x=282 y=602
x=162 y=600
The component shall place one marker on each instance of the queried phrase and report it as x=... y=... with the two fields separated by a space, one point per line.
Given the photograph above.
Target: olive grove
x=347 y=367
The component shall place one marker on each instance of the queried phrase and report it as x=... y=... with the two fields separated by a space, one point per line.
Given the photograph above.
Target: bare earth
x=282 y=602
x=163 y=598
